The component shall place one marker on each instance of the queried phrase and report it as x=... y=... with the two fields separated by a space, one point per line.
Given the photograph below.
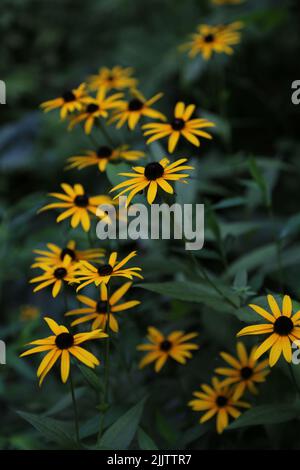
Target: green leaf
x=258 y=177
x=253 y=259
x=92 y=379
x=266 y=414
x=119 y=436
x=145 y=441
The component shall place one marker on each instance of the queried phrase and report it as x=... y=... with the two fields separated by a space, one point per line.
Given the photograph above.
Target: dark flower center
x=165 y=345
x=153 y=171
x=135 y=105
x=221 y=401
x=105 y=270
x=64 y=340
x=67 y=251
x=81 y=200
x=283 y=326
x=209 y=38
x=60 y=273
x=101 y=306
x=104 y=152
x=68 y=96
x=246 y=372
x=92 y=108
x=178 y=124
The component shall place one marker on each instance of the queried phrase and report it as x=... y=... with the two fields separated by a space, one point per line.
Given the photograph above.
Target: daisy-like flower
x=62 y=344
x=102 y=156
x=88 y=273
x=68 y=102
x=283 y=329
x=131 y=111
x=56 y=254
x=160 y=348
x=210 y=39
x=56 y=275
x=154 y=175
x=99 y=311
x=181 y=125
x=116 y=78
x=217 y=399
x=78 y=205
x=96 y=108
x=244 y=372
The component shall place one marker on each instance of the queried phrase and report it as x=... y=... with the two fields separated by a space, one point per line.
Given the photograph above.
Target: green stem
x=76 y=421
x=294 y=378
x=278 y=249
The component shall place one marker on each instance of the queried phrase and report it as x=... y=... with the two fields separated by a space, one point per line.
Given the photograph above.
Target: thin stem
x=294 y=378
x=76 y=421
x=278 y=249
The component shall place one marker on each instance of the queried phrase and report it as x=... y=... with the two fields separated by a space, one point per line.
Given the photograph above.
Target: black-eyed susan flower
x=96 y=108
x=210 y=39
x=283 y=329
x=101 y=274
x=180 y=126
x=105 y=308
x=116 y=78
x=68 y=102
x=161 y=347
x=29 y=312
x=63 y=344
x=78 y=205
x=217 y=399
x=55 y=275
x=131 y=111
x=56 y=254
x=244 y=372
x=102 y=156
x=154 y=175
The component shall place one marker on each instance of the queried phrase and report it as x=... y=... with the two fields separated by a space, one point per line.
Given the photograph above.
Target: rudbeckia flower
x=217 y=400
x=210 y=39
x=96 y=108
x=78 y=205
x=102 y=156
x=63 y=344
x=180 y=126
x=283 y=329
x=131 y=111
x=56 y=254
x=154 y=175
x=99 y=311
x=244 y=372
x=88 y=273
x=68 y=102
x=160 y=348
x=116 y=78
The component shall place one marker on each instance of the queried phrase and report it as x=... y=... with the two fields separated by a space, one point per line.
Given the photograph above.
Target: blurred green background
x=49 y=46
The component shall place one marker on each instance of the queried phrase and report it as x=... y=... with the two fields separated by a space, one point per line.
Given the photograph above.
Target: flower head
x=131 y=111
x=283 y=329
x=244 y=372
x=68 y=102
x=181 y=126
x=62 y=344
x=217 y=399
x=160 y=348
x=116 y=78
x=154 y=175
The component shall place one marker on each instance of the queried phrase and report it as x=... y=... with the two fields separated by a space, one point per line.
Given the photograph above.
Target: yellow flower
x=244 y=372
x=131 y=111
x=154 y=175
x=210 y=39
x=283 y=329
x=29 y=312
x=88 y=273
x=217 y=400
x=62 y=344
x=117 y=78
x=55 y=275
x=68 y=102
x=99 y=311
x=102 y=156
x=78 y=205
x=96 y=108
x=55 y=255
x=162 y=347
x=181 y=125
